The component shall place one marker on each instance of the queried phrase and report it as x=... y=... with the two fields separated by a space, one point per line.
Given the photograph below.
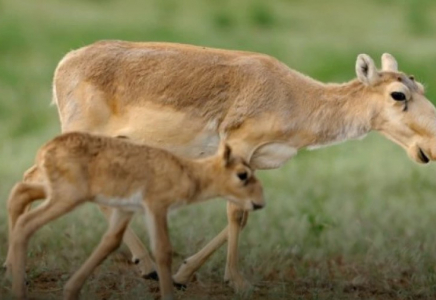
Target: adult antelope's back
x=187 y=98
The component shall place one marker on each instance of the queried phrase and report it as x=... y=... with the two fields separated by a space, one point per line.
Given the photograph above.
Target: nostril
x=257 y=206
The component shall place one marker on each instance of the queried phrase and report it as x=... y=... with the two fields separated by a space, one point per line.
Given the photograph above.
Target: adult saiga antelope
x=76 y=168
x=186 y=99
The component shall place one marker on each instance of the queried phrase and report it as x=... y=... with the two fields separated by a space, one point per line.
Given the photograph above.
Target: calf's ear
x=227 y=153
x=224 y=153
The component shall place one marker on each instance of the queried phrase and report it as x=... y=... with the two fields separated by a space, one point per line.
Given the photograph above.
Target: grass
x=346 y=222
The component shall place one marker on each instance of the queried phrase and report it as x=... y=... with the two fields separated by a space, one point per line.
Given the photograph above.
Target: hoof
x=180 y=286
x=153 y=276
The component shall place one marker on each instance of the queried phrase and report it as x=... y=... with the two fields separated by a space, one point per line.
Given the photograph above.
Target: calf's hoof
x=152 y=276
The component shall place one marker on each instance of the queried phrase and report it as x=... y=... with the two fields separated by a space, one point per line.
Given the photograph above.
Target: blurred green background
x=351 y=221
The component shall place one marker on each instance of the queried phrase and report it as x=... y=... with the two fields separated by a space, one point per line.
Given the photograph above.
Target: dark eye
x=243 y=176
x=398 y=96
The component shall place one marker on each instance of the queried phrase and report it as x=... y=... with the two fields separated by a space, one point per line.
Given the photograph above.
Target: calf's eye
x=243 y=176
x=398 y=96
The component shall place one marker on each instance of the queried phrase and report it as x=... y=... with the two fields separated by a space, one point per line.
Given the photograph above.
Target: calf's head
x=235 y=180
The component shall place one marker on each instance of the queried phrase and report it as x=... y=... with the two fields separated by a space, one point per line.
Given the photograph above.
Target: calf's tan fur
x=76 y=168
x=186 y=99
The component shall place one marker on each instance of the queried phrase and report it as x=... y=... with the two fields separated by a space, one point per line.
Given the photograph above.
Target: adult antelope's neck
x=329 y=113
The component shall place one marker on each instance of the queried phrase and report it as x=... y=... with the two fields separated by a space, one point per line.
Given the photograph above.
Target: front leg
x=140 y=254
x=194 y=262
x=161 y=245
x=237 y=219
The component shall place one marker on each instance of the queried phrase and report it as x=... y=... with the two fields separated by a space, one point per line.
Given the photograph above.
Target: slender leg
x=140 y=255
x=22 y=195
x=161 y=245
x=118 y=223
x=26 y=225
x=237 y=219
x=193 y=263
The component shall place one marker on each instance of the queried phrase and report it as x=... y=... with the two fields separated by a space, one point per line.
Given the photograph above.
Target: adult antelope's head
x=235 y=180
x=404 y=114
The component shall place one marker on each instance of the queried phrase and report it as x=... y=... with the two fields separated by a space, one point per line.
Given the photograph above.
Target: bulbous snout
x=423 y=153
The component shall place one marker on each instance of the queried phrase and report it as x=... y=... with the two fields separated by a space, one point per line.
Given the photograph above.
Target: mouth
x=256 y=206
x=422 y=157
x=246 y=205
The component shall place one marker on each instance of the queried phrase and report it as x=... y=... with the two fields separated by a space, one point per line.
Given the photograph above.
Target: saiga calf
x=76 y=168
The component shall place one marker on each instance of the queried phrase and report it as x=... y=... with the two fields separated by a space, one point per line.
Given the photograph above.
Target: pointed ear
x=389 y=63
x=366 y=70
x=225 y=152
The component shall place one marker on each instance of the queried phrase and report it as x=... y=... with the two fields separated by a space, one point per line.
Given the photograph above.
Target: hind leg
x=26 y=225
x=21 y=196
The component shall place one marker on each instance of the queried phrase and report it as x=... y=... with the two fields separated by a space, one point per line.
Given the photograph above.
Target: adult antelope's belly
x=170 y=129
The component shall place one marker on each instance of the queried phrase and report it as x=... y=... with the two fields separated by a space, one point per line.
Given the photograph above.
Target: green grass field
x=354 y=221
